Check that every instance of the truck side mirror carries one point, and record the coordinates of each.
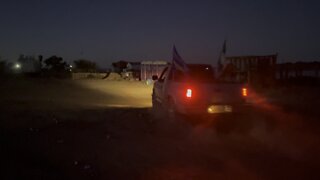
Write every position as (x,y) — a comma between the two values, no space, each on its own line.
(155,77)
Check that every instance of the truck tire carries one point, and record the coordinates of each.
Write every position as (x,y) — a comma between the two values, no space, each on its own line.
(157,110)
(171,113)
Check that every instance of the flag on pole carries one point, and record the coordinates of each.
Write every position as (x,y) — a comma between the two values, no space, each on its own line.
(222,56)
(224,47)
(178,62)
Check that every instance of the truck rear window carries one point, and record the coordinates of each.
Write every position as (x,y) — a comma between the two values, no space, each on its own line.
(198,73)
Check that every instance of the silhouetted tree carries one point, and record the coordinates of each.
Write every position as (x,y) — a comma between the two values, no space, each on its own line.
(3,66)
(56,64)
(40,57)
(119,66)
(83,65)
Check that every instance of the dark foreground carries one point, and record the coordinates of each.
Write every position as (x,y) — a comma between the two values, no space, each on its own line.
(95,133)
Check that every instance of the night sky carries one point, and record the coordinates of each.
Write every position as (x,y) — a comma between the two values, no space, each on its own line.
(112,30)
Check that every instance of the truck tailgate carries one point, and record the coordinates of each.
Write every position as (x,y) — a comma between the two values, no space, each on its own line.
(211,93)
(220,93)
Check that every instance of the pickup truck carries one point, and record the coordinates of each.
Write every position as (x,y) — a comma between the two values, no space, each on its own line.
(197,92)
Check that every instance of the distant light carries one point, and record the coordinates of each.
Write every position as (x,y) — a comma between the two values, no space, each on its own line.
(17,66)
(207,68)
(70,66)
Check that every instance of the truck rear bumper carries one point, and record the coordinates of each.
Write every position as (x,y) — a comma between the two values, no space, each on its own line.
(214,109)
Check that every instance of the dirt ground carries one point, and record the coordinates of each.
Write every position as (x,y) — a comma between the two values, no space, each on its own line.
(96,129)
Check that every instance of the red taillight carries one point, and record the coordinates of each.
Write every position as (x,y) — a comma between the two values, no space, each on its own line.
(244,92)
(189,93)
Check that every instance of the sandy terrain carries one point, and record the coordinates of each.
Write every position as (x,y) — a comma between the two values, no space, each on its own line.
(96,129)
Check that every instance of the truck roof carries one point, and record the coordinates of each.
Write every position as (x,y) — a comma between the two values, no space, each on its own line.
(199,65)
(196,64)
(197,72)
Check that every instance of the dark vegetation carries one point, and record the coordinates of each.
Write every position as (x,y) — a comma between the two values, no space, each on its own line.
(3,65)
(119,66)
(83,65)
(56,64)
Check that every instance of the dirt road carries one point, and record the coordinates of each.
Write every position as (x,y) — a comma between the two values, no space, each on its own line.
(99,129)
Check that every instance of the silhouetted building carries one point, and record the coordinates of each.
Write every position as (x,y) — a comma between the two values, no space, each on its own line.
(150,68)
(139,70)
(253,69)
(298,69)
